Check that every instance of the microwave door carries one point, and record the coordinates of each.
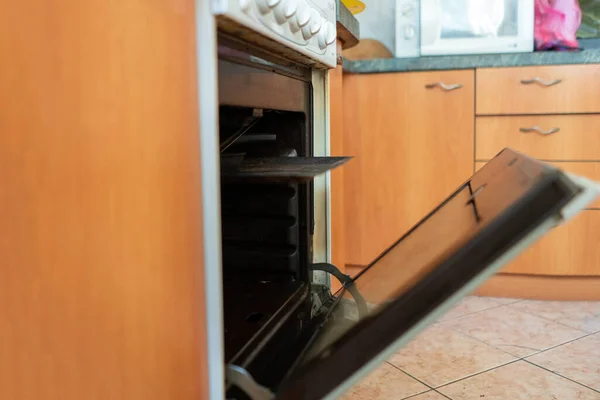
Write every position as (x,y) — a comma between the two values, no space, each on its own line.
(503,209)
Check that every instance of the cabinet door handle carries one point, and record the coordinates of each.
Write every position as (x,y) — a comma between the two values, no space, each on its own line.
(540,81)
(539,130)
(444,87)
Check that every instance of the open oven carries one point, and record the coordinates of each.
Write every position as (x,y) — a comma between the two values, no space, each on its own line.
(286,335)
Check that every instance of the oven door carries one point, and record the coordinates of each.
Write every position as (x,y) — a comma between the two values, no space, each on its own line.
(504,208)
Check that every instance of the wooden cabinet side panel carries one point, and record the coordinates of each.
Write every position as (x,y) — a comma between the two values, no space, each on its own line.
(413,146)
(100,235)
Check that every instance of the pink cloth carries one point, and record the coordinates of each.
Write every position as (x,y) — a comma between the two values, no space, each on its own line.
(556,24)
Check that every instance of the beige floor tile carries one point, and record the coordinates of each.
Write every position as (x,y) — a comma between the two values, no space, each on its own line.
(505,300)
(470,305)
(385,383)
(429,396)
(518,381)
(516,332)
(439,356)
(582,315)
(578,360)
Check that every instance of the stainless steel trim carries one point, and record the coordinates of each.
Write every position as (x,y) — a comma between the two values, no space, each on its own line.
(540,81)
(206,72)
(539,130)
(444,87)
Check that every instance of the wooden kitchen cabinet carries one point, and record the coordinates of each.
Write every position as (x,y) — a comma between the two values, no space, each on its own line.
(565,116)
(102,278)
(412,145)
(560,89)
(568,137)
(569,250)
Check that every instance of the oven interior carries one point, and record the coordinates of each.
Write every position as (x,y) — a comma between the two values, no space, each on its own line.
(267,164)
(267,227)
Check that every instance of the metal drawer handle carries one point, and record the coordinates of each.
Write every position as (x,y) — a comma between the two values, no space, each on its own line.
(444,87)
(540,130)
(540,81)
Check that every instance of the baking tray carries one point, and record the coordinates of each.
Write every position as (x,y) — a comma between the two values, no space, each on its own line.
(285,169)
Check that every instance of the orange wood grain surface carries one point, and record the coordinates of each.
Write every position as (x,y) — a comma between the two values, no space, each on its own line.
(568,250)
(538,287)
(100,224)
(412,146)
(577,139)
(589,170)
(500,91)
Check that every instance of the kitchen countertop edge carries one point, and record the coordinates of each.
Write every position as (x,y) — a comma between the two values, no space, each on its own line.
(590,55)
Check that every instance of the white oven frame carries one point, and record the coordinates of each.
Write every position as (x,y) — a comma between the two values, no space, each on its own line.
(207,72)
(208,111)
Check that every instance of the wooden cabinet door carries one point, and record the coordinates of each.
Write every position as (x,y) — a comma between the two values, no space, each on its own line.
(101,287)
(569,250)
(412,145)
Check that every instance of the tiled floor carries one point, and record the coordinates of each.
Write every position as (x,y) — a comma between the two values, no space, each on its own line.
(496,349)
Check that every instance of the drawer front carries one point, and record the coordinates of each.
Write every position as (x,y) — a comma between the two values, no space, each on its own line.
(575,137)
(590,170)
(570,89)
(571,249)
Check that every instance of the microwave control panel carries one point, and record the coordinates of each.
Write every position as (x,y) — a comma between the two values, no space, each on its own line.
(408,28)
(303,30)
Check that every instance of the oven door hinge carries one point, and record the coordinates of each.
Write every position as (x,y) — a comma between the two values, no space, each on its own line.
(238,376)
(348,283)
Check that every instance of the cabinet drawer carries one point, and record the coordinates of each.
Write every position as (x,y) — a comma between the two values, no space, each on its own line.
(504,91)
(588,169)
(571,249)
(577,136)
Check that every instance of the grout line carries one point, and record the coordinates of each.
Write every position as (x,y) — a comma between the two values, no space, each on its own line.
(477,373)
(550,320)
(558,345)
(466,315)
(414,377)
(532,354)
(475,312)
(562,376)
(412,396)
(517,358)
(442,394)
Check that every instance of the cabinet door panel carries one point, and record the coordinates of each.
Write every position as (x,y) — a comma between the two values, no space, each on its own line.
(412,146)
(101,294)
(590,170)
(571,249)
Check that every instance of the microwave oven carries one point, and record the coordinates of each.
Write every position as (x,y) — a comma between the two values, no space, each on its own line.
(441,27)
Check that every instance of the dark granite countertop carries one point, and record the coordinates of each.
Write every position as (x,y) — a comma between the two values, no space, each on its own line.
(589,55)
